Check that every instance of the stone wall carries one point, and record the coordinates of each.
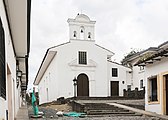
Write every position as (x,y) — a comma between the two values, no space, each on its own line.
(137,94)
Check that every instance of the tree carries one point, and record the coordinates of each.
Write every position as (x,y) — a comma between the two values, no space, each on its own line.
(130,54)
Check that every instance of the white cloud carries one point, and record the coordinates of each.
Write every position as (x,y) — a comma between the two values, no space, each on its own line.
(120,25)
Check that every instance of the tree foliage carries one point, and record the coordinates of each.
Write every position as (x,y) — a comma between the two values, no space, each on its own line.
(130,54)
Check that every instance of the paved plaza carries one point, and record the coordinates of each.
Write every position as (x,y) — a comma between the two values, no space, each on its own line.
(50,114)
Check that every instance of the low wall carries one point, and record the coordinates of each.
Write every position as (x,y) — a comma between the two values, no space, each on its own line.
(78,107)
(137,94)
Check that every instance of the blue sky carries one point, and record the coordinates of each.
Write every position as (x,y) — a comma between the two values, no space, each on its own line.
(120,25)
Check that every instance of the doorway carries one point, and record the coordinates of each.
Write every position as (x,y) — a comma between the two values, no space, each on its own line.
(82,85)
(114,88)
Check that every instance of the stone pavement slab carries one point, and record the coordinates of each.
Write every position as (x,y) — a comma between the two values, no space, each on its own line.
(22,114)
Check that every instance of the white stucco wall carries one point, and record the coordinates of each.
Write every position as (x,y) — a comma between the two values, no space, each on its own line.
(58,77)
(123,75)
(129,77)
(151,70)
(3,108)
(14,103)
(137,76)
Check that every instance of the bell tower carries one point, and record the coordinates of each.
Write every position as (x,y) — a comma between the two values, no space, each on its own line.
(81,28)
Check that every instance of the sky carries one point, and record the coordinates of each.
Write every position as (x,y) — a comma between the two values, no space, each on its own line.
(121,25)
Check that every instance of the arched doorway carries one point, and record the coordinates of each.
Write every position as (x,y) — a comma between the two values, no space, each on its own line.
(82,85)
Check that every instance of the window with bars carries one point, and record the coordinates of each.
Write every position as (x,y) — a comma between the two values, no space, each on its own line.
(82,57)
(114,72)
(153,96)
(2,62)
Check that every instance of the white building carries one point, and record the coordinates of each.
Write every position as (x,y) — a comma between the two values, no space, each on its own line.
(137,79)
(156,75)
(82,59)
(14,51)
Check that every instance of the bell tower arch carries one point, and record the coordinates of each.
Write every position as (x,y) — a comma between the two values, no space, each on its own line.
(81,28)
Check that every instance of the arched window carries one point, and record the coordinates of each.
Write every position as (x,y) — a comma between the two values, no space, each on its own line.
(89,35)
(2,62)
(82,31)
(75,34)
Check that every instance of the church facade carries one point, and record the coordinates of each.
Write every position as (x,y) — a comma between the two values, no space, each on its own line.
(80,67)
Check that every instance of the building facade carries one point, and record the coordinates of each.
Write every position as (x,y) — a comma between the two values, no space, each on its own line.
(137,79)
(14,51)
(79,67)
(156,75)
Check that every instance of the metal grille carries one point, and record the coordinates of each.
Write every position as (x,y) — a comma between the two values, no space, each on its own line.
(2,63)
(82,58)
(114,72)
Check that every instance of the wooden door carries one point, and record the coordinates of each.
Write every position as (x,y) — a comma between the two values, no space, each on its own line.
(114,88)
(82,85)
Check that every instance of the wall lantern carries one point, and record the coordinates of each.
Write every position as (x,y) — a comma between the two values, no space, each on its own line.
(75,85)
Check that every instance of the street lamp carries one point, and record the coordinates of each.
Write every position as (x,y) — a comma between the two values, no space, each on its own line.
(75,84)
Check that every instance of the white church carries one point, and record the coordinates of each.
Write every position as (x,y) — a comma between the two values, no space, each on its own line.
(80,67)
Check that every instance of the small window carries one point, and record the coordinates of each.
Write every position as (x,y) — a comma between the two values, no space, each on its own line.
(114,72)
(141,83)
(82,57)
(153,89)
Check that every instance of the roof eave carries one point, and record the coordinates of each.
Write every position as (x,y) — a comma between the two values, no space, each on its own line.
(49,56)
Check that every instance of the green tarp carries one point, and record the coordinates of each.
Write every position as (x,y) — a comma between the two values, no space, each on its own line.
(74,114)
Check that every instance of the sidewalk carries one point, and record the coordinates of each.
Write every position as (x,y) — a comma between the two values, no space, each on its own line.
(163,117)
(22,114)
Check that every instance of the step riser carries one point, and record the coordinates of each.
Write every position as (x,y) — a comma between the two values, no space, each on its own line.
(101,113)
(115,111)
(105,109)
(100,109)
(110,115)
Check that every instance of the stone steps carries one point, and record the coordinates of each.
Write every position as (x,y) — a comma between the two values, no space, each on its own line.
(99,109)
(112,115)
(112,111)
(108,112)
